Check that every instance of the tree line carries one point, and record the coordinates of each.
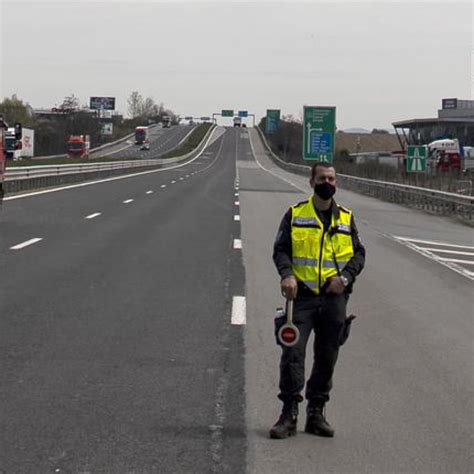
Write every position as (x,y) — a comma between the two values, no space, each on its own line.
(72,118)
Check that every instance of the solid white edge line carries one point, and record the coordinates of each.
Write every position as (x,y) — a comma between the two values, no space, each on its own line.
(236,217)
(91,216)
(271,172)
(239,310)
(116,178)
(454,252)
(455,260)
(237,244)
(430,242)
(26,244)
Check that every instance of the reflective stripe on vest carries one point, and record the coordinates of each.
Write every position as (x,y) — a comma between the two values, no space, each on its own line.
(319,255)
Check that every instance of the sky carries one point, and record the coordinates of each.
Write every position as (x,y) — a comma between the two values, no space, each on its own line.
(376,61)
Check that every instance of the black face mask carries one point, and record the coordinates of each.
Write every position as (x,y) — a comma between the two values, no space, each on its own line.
(325,190)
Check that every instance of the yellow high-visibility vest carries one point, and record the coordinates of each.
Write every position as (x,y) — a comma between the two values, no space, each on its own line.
(318,255)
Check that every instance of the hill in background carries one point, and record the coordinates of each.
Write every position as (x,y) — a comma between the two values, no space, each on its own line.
(368,142)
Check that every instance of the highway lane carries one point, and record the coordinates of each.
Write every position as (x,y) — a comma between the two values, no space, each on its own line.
(404,384)
(162,140)
(119,354)
(117,350)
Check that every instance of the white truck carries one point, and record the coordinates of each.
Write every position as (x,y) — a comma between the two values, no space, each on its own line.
(24,148)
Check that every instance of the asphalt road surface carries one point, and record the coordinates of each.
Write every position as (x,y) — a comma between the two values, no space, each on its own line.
(127,345)
(162,141)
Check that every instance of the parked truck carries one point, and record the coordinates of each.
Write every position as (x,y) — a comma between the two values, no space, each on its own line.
(3,151)
(22,148)
(445,155)
(3,156)
(78,146)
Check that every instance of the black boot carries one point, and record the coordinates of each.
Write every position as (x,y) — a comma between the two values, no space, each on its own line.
(286,424)
(316,422)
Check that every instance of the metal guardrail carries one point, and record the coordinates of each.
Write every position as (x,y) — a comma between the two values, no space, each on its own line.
(430,200)
(23,178)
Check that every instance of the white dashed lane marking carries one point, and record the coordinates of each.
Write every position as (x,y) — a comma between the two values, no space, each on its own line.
(26,244)
(444,253)
(149,192)
(239,310)
(236,217)
(237,244)
(92,216)
(163,185)
(128,201)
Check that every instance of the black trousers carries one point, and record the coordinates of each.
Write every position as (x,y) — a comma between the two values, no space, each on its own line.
(325,314)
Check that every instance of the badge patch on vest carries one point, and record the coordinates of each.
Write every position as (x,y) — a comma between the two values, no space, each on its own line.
(344,228)
(305,222)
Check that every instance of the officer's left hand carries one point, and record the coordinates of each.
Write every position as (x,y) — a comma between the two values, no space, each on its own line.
(335,286)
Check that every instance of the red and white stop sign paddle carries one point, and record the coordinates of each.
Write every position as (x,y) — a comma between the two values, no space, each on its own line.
(289,334)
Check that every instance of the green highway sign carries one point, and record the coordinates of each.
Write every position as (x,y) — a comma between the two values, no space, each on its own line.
(319,132)
(273,121)
(227,113)
(416,158)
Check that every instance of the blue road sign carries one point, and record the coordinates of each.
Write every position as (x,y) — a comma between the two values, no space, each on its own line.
(243,113)
(321,142)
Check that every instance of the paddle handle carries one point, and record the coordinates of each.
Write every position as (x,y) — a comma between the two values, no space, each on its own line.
(289,311)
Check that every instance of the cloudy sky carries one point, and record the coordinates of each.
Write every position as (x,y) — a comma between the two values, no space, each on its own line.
(376,61)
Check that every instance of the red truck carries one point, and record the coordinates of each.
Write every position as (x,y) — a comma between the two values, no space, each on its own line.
(78,146)
(445,155)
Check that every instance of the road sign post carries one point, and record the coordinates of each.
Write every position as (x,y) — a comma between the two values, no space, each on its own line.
(319,130)
(416,158)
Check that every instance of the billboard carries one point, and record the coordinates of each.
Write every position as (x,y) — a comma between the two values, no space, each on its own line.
(450,104)
(102,103)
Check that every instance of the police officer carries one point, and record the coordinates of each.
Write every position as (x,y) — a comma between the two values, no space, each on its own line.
(318,255)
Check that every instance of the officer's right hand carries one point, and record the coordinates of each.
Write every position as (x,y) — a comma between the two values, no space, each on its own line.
(289,287)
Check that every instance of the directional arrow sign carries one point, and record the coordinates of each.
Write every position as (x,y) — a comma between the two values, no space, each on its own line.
(319,133)
(416,158)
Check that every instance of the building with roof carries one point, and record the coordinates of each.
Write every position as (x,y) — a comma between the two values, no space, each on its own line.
(455,120)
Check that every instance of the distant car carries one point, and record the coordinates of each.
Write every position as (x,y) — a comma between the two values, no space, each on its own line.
(145,146)
(244,125)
